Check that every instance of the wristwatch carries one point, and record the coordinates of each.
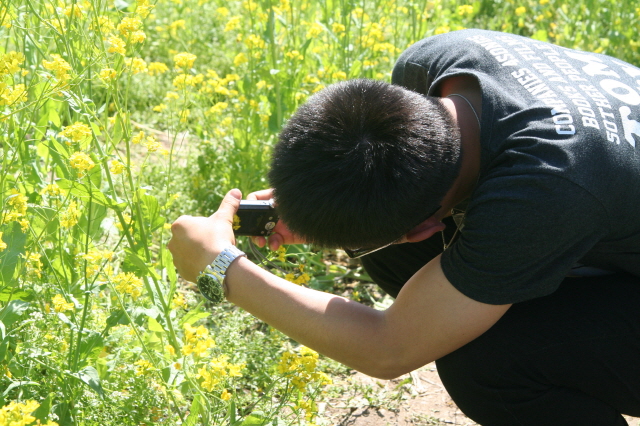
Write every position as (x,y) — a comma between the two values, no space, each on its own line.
(211,280)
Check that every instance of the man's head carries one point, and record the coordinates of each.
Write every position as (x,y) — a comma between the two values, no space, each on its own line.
(362,163)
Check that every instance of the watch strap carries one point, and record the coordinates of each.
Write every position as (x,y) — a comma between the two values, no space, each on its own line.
(211,280)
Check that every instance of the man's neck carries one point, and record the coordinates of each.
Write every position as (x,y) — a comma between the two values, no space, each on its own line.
(465,115)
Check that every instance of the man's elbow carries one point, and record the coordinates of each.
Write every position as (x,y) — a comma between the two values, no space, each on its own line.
(393,364)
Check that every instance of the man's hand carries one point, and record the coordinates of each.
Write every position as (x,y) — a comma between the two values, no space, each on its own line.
(281,234)
(196,241)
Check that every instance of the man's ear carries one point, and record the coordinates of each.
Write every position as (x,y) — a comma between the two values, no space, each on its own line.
(425,230)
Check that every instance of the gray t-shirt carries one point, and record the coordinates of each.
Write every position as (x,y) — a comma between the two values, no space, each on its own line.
(560,170)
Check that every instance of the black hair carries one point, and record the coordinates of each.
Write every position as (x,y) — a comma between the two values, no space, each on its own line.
(362,162)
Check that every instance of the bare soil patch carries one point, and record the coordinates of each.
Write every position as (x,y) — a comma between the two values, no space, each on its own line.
(418,399)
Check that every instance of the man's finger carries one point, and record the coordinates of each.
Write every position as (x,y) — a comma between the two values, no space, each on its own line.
(230,204)
(263,194)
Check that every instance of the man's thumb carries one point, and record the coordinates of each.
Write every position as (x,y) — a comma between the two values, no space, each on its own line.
(230,204)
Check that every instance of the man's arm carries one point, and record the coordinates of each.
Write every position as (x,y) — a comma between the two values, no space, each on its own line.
(429,319)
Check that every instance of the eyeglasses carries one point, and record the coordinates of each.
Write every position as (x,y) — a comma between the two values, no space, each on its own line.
(359,252)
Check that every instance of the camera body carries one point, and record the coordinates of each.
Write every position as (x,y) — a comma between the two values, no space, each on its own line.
(255,218)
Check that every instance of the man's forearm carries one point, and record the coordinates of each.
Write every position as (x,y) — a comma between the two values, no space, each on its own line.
(339,328)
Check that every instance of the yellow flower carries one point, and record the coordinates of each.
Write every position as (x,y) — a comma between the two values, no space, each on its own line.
(138,138)
(117,45)
(159,108)
(3,245)
(18,202)
(222,11)
(137,36)
(170,349)
(128,283)
(152,144)
(157,68)
(183,80)
(180,24)
(136,65)
(81,162)
(178,301)
(218,108)
(104,25)
(184,60)
(70,216)
(254,41)
(338,28)
(236,222)
(34,265)
(10,62)
(117,167)
(240,59)
(143,8)
(232,24)
(60,304)
(19,414)
(143,367)
(59,66)
(74,10)
(129,25)
(77,132)
(315,30)
(443,29)
(107,74)
(12,95)
(465,9)
(521,10)
(339,75)
(294,54)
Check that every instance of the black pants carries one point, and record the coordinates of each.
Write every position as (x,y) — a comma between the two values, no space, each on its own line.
(570,358)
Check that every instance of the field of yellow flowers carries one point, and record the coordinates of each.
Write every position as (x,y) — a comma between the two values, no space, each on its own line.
(117,116)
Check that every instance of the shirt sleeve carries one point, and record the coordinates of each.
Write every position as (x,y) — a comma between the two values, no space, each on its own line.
(521,236)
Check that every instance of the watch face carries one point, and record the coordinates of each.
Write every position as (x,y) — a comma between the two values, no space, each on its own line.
(210,288)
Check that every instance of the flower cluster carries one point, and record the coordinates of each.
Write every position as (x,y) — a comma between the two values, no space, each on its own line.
(214,372)
(11,93)
(69,217)
(77,132)
(197,341)
(17,211)
(128,283)
(301,368)
(60,304)
(81,162)
(20,414)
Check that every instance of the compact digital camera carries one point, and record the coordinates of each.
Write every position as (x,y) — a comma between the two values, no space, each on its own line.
(255,218)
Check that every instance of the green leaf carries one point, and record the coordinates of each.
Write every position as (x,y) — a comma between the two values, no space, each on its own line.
(154,325)
(89,376)
(118,317)
(255,418)
(12,293)
(13,311)
(17,385)
(194,412)
(15,240)
(44,218)
(87,192)
(91,220)
(42,412)
(91,346)
(167,263)
(150,211)
(193,315)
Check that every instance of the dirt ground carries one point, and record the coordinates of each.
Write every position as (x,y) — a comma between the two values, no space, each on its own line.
(418,399)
